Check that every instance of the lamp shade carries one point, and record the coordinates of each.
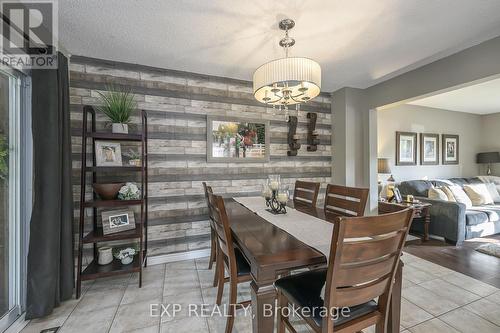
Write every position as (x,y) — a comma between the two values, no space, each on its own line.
(383,165)
(302,75)
(492,157)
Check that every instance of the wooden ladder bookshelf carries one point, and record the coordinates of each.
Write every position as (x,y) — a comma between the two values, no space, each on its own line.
(95,236)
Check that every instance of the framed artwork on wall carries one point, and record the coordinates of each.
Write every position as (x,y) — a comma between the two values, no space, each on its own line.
(406,148)
(108,153)
(451,149)
(232,139)
(429,149)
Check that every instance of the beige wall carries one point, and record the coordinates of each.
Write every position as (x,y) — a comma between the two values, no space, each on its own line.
(412,118)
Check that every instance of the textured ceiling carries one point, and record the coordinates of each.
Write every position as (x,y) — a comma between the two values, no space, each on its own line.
(357,42)
(482,98)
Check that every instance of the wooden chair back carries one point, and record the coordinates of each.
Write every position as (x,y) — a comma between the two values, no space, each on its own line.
(306,193)
(345,201)
(222,231)
(207,190)
(364,256)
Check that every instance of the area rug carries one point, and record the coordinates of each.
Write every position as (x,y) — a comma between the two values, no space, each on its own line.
(493,249)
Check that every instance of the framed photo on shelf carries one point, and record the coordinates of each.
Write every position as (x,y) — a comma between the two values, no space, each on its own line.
(429,149)
(406,148)
(114,221)
(451,149)
(108,153)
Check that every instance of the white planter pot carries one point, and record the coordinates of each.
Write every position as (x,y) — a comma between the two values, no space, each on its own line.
(105,256)
(127,260)
(119,128)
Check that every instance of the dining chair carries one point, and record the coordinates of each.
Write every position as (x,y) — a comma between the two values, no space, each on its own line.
(364,257)
(229,257)
(345,201)
(213,239)
(306,193)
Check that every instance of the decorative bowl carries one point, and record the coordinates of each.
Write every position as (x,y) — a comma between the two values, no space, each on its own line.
(108,191)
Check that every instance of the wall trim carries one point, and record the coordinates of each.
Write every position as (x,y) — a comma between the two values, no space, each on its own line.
(173,257)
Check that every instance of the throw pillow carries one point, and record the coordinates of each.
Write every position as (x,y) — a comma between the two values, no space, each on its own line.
(478,194)
(460,195)
(449,194)
(492,188)
(437,193)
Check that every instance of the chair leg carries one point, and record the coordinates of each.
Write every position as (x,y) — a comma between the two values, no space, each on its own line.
(233,293)
(212,249)
(220,279)
(281,320)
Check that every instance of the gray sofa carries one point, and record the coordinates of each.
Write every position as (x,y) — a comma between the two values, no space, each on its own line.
(452,220)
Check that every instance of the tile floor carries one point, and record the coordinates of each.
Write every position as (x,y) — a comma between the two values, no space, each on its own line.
(435,299)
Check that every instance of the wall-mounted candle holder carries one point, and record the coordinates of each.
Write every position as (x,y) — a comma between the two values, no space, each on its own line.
(312,133)
(293,138)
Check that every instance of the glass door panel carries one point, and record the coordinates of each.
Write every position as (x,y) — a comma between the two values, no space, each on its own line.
(10,241)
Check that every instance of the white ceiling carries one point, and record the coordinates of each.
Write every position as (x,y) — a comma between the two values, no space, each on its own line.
(357,42)
(482,98)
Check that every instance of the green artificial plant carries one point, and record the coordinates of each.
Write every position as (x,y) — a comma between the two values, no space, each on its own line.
(4,158)
(118,104)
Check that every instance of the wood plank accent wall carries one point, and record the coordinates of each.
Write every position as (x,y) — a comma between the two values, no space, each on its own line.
(178,104)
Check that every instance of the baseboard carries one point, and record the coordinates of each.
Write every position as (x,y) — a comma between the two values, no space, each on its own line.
(172,257)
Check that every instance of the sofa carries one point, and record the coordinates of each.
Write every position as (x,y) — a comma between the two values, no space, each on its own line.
(452,220)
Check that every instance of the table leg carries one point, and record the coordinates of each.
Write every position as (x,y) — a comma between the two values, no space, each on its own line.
(393,322)
(263,307)
(427,222)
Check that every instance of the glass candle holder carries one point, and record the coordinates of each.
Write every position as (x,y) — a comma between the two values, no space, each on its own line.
(283,195)
(274,182)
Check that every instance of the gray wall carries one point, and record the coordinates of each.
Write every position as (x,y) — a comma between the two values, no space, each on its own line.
(475,64)
(178,104)
(490,132)
(413,118)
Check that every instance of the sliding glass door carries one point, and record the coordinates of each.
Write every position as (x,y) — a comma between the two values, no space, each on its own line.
(12,230)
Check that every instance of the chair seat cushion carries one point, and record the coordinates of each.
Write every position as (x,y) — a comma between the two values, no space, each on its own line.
(241,263)
(304,290)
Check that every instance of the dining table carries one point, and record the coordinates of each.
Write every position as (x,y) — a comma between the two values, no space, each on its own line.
(272,252)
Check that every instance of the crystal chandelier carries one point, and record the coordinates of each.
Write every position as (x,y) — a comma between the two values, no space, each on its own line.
(287,81)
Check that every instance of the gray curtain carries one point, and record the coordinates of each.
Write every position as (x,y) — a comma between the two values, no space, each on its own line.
(50,257)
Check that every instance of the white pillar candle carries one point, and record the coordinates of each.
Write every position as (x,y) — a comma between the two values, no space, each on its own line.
(274,185)
(282,197)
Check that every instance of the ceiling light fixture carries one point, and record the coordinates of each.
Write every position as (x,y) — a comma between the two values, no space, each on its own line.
(287,81)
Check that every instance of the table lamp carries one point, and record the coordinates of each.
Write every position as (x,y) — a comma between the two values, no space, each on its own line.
(488,158)
(385,168)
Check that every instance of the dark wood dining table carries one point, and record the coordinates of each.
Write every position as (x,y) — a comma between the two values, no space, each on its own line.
(272,252)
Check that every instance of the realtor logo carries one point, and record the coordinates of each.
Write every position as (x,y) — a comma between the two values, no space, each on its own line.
(29,34)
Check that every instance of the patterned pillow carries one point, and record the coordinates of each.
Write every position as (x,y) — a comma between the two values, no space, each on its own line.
(492,188)
(460,195)
(478,194)
(437,193)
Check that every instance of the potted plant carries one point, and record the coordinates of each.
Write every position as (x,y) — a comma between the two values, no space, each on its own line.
(129,191)
(134,157)
(118,106)
(4,159)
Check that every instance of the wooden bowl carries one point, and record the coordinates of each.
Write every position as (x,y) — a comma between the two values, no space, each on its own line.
(107,191)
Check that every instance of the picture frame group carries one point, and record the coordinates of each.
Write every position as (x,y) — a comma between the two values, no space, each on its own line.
(407,143)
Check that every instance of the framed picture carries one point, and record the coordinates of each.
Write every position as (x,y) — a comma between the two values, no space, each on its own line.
(406,148)
(429,149)
(114,221)
(237,140)
(451,149)
(108,153)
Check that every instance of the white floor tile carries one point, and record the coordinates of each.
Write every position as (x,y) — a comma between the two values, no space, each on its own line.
(466,321)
